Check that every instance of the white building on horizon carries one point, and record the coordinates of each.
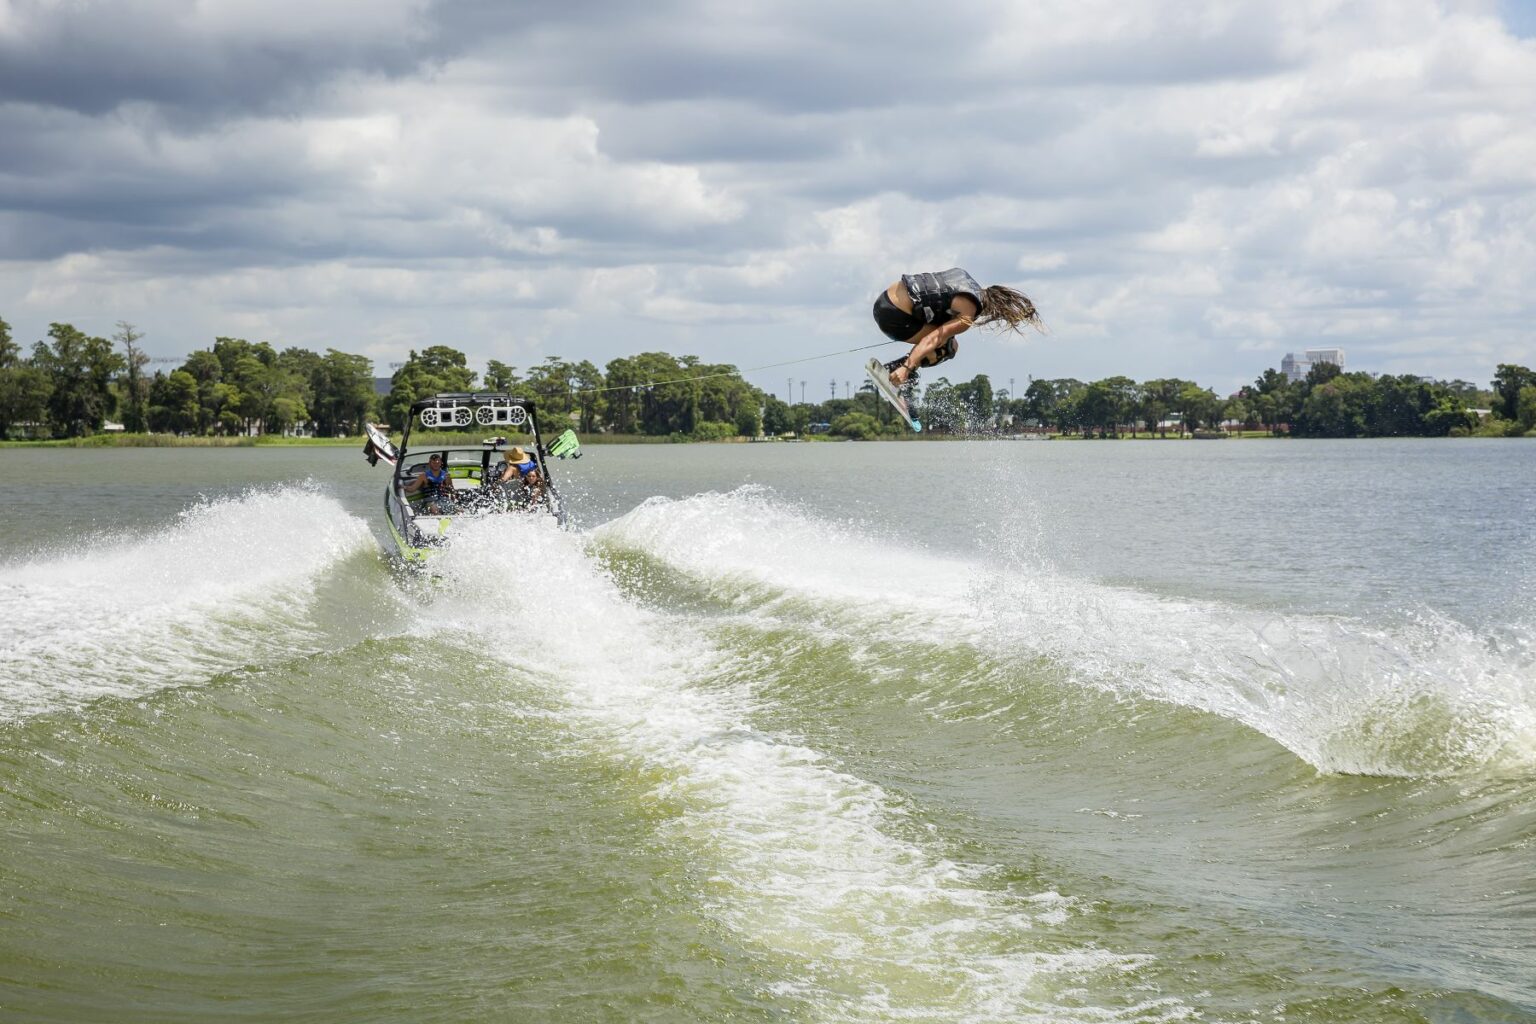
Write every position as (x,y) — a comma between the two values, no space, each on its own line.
(1296,369)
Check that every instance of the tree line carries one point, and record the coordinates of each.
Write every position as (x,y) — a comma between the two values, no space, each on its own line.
(72,383)
(652,393)
(659,394)
(1326,403)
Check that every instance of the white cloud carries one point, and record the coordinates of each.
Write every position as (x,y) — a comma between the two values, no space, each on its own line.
(1182,190)
(1042,261)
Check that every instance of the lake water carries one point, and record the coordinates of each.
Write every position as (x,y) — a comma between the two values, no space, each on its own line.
(974,731)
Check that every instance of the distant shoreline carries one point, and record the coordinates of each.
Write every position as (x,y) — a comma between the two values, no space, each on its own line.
(173,441)
(265,441)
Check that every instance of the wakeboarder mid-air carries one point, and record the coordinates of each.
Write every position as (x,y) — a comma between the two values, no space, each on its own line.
(927,311)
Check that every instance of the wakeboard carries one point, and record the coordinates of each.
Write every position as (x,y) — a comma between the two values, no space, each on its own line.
(881,377)
(567,445)
(379,446)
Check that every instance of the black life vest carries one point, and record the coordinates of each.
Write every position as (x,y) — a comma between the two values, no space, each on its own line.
(932,294)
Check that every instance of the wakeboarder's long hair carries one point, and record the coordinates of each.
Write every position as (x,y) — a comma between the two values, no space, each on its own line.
(999,302)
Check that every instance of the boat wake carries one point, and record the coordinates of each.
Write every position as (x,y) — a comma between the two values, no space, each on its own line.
(828,880)
(1421,697)
(230,584)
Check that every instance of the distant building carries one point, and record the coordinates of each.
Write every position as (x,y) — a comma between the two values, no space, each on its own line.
(382,385)
(1295,368)
(1326,355)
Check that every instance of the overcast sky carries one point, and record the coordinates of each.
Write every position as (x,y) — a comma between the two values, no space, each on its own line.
(1184,189)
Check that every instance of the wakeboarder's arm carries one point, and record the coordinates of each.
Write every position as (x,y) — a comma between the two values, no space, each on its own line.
(948,329)
(935,339)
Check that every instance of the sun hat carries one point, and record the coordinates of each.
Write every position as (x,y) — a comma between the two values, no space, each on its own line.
(516,455)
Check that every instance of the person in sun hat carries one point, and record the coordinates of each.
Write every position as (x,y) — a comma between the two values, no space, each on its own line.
(518,466)
(927,311)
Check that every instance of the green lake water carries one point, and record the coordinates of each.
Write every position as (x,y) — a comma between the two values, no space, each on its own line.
(974,731)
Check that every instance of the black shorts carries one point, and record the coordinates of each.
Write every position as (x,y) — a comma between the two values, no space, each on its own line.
(893,322)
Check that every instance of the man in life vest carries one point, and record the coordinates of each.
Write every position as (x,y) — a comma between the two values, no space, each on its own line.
(435,484)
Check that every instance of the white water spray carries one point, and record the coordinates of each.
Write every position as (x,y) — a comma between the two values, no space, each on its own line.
(228,585)
(1424,697)
(806,864)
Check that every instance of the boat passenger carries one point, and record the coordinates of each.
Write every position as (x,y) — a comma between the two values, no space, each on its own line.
(520,467)
(435,484)
(927,311)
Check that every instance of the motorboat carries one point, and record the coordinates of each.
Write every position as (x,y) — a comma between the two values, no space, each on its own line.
(434,484)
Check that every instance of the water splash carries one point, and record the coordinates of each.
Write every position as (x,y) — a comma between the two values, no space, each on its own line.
(1421,697)
(1425,697)
(229,584)
(820,872)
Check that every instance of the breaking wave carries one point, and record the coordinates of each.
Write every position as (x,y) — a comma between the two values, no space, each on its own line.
(1423,696)
(229,584)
